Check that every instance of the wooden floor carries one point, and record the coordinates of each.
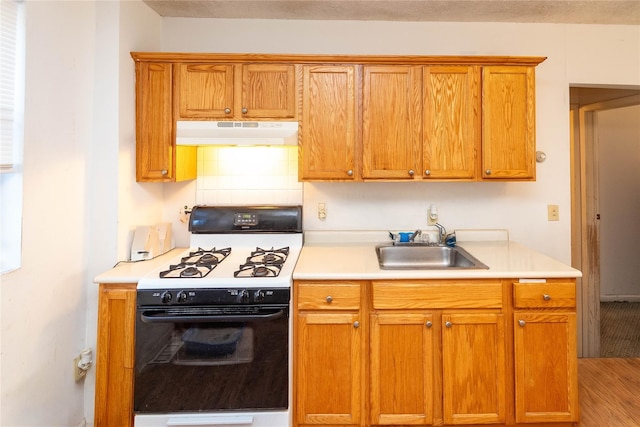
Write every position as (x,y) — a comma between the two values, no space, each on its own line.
(609,392)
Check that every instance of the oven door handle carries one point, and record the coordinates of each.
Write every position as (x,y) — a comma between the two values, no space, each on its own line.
(211,318)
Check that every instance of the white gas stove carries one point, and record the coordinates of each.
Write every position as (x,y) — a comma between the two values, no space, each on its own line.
(212,326)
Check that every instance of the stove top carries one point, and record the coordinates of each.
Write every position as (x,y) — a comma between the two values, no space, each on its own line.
(234,247)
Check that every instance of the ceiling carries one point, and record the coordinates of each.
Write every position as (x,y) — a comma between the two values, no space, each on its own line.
(621,12)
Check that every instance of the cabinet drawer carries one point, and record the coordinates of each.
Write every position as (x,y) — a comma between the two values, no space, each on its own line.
(328,296)
(544,295)
(437,294)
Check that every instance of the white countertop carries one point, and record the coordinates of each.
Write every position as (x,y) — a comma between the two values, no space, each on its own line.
(132,271)
(352,256)
(340,259)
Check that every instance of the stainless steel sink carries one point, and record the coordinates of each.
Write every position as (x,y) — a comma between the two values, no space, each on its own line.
(424,257)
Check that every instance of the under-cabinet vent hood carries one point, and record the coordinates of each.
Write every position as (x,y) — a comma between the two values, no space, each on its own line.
(236,133)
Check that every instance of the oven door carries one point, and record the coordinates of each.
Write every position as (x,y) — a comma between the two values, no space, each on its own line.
(209,359)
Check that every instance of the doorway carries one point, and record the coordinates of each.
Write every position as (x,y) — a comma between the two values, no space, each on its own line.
(591,249)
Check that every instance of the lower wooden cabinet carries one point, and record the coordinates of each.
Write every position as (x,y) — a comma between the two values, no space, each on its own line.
(401,363)
(474,370)
(115,355)
(439,352)
(545,351)
(328,343)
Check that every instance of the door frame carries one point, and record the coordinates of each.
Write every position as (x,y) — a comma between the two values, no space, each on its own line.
(585,230)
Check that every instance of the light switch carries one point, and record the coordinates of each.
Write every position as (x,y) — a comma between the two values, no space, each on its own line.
(553,213)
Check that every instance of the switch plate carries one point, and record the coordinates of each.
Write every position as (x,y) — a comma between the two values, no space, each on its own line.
(553,213)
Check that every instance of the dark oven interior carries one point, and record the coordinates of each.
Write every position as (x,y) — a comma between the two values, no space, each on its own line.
(199,366)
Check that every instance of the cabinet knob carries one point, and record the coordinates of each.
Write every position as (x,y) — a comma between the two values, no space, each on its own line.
(164,172)
(521,322)
(546,297)
(329,298)
(427,172)
(488,171)
(356,324)
(448,324)
(429,324)
(350,172)
(244,110)
(411,172)
(227,110)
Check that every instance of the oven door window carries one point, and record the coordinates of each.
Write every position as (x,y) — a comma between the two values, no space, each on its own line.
(211,366)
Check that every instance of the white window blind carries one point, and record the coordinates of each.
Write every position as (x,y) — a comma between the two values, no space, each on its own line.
(8,84)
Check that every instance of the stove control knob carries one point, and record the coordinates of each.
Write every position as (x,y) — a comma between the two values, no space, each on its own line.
(258,296)
(244,296)
(181,297)
(166,297)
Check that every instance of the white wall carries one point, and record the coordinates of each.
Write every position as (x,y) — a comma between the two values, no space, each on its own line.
(618,133)
(520,207)
(44,302)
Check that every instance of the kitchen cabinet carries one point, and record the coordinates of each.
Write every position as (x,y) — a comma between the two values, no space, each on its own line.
(328,348)
(451,122)
(115,355)
(508,122)
(402,346)
(328,126)
(391,122)
(474,370)
(158,159)
(236,91)
(546,373)
(419,381)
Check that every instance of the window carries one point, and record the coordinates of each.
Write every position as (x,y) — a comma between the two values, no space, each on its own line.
(12,37)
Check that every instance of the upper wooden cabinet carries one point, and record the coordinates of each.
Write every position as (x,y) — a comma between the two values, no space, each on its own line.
(236,91)
(508,122)
(361,118)
(451,122)
(391,125)
(328,126)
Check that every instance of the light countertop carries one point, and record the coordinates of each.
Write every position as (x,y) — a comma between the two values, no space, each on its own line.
(323,259)
(132,272)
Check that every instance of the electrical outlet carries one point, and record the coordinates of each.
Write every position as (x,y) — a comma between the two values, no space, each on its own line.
(78,372)
(322,211)
(432,215)
(553,213)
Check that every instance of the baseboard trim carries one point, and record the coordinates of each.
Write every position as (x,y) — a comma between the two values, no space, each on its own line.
(619,298)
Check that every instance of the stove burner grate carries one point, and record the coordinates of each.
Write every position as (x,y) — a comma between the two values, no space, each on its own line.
(198,264)
(263,263)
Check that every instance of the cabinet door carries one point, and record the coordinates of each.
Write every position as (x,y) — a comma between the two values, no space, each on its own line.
(451,122)
(546,367)
(154,122)
(508,122)
(328,134)
(401,369)
(328,368)
(391,122)
(115,355)
(474,372)
(205,91)
(268,91)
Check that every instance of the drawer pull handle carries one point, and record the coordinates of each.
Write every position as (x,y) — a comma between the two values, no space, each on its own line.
(448,324)
(329,299)
(429,324)
(521,322)
(356,324)
(546,297)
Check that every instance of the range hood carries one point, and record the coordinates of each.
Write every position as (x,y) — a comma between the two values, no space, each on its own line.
(236,133)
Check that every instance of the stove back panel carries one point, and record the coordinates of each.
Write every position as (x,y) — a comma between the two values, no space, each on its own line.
(245,219)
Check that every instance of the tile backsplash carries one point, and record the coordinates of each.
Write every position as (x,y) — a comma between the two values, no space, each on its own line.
(229,175)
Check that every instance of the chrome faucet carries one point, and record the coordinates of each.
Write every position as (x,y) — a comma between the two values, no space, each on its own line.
(415,234)
(442,233)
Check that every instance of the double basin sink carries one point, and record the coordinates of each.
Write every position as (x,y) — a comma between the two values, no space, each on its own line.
(415,256)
